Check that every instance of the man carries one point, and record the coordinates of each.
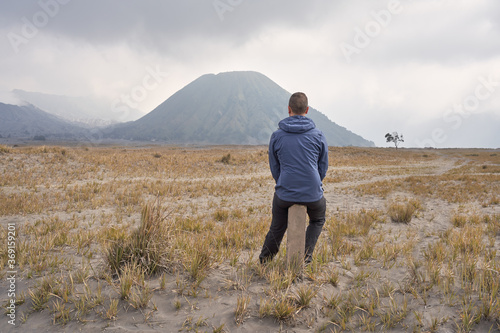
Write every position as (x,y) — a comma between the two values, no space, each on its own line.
(298,158)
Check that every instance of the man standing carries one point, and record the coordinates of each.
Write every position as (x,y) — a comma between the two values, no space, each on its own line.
(298,158)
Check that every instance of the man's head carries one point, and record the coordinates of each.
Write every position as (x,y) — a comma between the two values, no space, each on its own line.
(297,105)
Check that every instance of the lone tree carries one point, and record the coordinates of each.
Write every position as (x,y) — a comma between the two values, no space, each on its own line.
(394,137)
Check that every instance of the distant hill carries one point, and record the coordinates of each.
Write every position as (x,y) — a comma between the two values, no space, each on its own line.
(227,108)
(89,111)
(28,121)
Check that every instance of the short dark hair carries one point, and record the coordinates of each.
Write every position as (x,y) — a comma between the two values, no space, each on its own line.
(298,103)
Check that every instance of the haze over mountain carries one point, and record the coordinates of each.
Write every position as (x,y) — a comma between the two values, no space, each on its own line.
(86,111)
(227,108)
(461,130)
(28,121)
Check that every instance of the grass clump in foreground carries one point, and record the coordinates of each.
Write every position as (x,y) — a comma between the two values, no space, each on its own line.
(147,246)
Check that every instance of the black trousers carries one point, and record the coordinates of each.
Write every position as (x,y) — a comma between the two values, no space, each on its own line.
(279,223)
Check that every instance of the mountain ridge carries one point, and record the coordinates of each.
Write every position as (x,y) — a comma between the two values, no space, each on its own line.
(226,108)
(27,121)
(83,111)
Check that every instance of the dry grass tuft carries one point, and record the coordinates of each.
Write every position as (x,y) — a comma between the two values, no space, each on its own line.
(4,149)
(146,246)
(403,212)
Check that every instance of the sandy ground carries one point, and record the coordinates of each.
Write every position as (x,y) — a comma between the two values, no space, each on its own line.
(214,307)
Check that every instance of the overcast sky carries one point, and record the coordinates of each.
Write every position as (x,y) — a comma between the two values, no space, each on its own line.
(429,69)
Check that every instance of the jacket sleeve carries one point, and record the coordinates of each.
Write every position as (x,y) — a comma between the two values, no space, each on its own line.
(274,163)
(323,158)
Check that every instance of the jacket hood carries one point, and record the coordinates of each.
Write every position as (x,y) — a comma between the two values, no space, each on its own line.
(296,124)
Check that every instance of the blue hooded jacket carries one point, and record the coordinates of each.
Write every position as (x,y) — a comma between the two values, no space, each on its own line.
(298,158)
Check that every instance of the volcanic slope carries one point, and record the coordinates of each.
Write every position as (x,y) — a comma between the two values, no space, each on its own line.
(227,108)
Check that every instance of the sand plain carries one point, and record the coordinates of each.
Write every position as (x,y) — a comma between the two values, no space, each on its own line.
(410,244)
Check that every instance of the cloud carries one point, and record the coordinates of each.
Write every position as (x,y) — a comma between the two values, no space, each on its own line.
(420,61)
(444,32)
(160,25)
(457,35)
(7,97)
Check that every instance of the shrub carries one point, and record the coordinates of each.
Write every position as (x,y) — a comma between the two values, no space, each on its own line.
(221,215)
(459,220)
(146,246)
(402,212)
(226,159)
(198,260)
(4,149)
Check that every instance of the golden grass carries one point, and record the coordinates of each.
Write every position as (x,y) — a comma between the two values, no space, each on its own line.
(105,232)
(147,246)
(402,210)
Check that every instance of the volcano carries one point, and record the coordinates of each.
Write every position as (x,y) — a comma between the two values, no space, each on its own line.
(226,108)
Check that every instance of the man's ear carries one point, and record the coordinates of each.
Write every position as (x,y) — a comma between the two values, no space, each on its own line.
(307,110)
(290,111)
